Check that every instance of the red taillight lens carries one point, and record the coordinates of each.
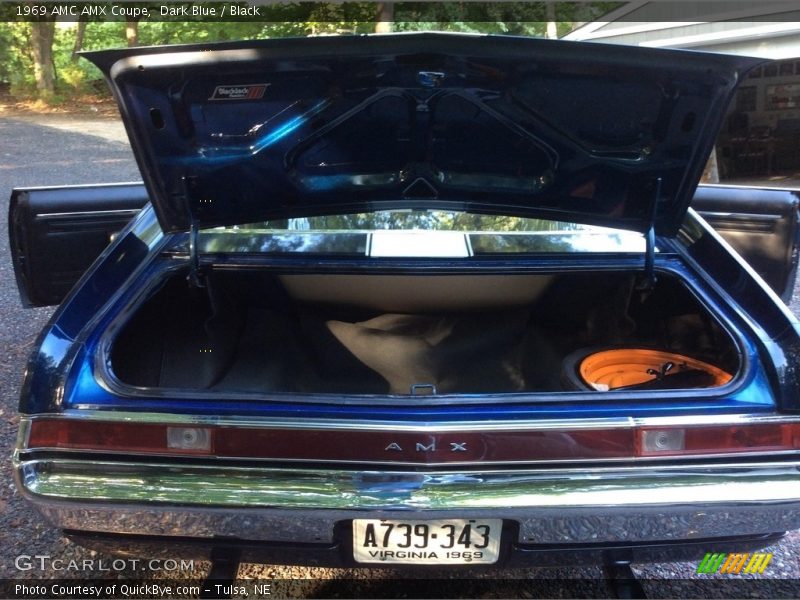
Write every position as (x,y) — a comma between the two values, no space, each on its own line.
(429,447)
(115,437)
(758,437)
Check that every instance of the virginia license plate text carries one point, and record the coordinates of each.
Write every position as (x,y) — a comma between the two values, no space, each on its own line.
(445,542)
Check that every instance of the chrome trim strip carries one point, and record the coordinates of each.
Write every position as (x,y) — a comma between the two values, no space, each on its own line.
(419,427)
(79,186)
(90,213)
(388,463)
(706,214)
(303,505)
(335,424)
(23,433)
(733,186)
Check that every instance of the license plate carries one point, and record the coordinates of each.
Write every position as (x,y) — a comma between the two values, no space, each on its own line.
(449,542)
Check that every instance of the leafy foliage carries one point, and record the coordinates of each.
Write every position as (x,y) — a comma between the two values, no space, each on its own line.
(16,64)
(249,238)
(415,220)
(278,20)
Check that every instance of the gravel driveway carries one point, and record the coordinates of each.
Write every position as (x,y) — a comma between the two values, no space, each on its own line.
(50,150)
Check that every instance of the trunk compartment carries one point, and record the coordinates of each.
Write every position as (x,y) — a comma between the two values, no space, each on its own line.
(264,332)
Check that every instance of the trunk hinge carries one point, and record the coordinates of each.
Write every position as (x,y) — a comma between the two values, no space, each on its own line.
(647,279)
(195,277)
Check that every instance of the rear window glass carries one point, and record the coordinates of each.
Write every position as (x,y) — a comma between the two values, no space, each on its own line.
(418,234)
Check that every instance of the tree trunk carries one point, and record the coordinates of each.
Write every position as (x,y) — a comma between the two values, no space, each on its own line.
(550,15)
(132,33)
(385,20)
(42,34)
(79,33)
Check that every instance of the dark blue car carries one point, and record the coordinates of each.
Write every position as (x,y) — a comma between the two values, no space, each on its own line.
(413,300)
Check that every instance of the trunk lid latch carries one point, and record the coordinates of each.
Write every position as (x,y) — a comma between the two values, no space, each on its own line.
(423,389)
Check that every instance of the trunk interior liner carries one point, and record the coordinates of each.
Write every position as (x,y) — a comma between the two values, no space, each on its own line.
(248,332)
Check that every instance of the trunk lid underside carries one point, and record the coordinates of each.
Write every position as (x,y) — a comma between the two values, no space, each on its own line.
(597,134)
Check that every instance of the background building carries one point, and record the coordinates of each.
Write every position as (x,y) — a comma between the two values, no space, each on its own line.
(761,138)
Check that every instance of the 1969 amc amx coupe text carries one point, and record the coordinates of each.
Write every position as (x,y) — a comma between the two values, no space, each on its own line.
(424,299)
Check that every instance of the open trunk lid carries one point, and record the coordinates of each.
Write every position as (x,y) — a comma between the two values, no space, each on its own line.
(248,131)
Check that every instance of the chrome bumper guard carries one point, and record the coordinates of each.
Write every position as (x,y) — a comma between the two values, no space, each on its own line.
(589,505)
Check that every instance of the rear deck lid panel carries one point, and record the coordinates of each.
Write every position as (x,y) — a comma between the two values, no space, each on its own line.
(242,132)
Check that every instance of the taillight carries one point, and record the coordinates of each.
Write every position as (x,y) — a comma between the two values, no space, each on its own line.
(413,446)
(656,441)
(119,437)
(189,438)
(758,437)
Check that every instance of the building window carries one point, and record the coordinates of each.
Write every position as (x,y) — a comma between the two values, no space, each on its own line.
(783,96)
(746,99)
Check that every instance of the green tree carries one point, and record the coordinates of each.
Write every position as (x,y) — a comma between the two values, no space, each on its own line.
(40,58)
(385,17)
(41,48)
(80,33)
(132,33)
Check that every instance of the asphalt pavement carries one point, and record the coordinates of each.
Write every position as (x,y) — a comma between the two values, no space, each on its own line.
(53,150)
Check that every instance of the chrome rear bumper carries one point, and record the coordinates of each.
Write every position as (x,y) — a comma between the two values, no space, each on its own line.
(572,506)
